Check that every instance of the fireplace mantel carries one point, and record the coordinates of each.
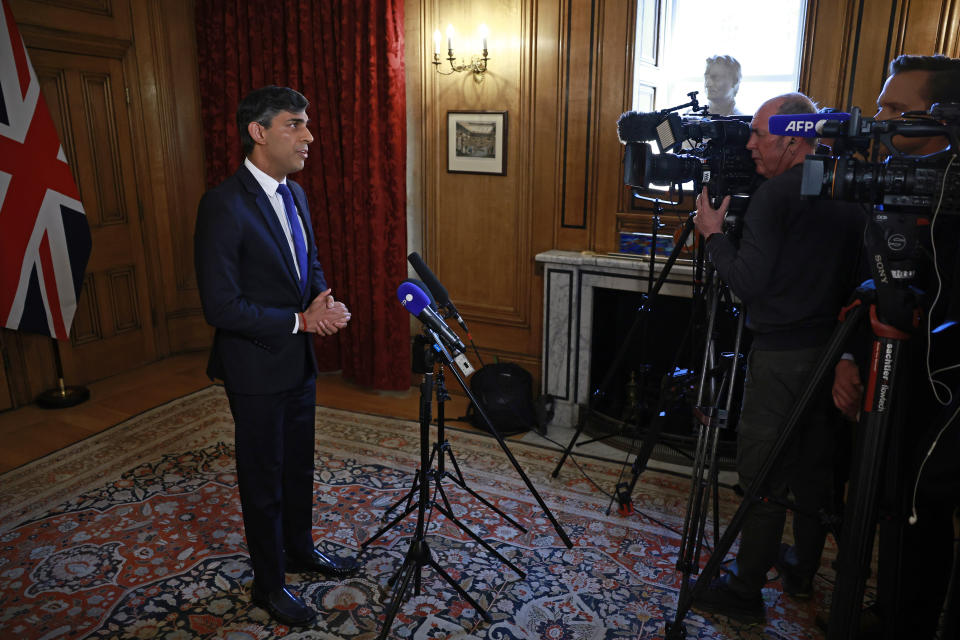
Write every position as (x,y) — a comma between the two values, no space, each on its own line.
(569,281)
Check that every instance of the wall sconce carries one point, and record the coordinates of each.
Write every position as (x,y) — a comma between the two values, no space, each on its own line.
(477,64)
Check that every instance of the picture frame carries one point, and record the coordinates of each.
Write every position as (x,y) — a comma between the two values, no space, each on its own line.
(477,142)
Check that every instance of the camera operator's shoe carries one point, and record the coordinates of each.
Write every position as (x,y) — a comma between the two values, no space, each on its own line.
(720,598)
(794,585)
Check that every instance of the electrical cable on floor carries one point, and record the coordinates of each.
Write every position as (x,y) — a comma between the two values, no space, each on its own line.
(606,494)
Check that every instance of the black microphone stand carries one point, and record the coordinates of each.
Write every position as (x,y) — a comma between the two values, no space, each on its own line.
(419,496)
(418,554)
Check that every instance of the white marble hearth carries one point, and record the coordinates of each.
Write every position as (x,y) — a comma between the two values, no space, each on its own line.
(570,279)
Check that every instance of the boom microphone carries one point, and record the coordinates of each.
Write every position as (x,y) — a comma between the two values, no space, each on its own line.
(803,125)
(416,300)
(433,284)
(633,126)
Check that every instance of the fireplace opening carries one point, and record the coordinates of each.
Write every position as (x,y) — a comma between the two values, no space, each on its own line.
(659,373)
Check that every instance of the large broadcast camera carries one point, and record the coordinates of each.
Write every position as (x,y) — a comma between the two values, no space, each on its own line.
(907,193)
(714,152)
(902,182)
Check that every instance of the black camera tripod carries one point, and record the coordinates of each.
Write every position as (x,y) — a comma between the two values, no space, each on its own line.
(893,310)
(637,331)
(419,496)
(710,418)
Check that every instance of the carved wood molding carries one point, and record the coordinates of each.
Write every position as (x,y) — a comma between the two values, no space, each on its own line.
(948,35)
(73,42)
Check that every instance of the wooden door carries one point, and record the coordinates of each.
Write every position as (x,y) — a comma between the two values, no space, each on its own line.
(113,329)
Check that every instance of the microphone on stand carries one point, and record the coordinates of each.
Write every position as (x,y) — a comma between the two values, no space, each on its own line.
(440,295)
(433,284)
(417,301)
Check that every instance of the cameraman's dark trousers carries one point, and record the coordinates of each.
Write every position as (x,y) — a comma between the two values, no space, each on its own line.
(804,473)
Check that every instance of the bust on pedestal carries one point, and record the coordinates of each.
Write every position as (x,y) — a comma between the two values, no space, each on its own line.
(721,80)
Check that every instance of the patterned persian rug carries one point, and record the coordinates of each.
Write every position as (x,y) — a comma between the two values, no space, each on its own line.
(137,533)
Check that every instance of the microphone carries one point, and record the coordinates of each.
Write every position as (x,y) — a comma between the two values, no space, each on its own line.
(803,125)
(633,126)
(438,290)
(416,300)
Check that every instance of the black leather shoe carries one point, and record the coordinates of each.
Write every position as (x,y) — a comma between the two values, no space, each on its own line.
(322,563)
(284,607)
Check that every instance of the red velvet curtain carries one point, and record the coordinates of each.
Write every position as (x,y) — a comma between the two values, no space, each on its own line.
(346,57)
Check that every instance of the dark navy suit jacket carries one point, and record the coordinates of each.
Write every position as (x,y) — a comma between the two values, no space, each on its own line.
(249,287)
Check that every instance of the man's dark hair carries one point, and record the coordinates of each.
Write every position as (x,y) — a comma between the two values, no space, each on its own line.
(262,105)
(943,83)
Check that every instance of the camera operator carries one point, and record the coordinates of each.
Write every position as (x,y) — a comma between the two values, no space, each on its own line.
(923,557)
(793,268)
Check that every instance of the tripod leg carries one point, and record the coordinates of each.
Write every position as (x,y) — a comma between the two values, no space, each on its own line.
(463,594)
(461,482)
(408,496)
(483,543)
(516,465)
(581,420)
(860,516)
(404,575)
(830,354)
(389,525)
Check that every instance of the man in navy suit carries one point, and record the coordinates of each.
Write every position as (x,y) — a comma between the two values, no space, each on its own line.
(263,290)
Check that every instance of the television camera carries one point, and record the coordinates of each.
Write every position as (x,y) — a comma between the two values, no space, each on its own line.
(905,182)
(907,193)
(707,150)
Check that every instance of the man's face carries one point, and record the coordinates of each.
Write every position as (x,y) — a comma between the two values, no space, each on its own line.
(902,92)
(770,153)
(719,83)
(283,145)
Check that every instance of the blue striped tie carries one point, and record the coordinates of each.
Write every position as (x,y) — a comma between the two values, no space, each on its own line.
(296,232)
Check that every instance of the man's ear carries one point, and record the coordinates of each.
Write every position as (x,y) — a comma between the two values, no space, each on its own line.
(255,129)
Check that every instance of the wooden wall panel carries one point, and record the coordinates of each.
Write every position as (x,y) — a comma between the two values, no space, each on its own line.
(169,101)
(565,77)
(477,229)
(120,79)
(843,70)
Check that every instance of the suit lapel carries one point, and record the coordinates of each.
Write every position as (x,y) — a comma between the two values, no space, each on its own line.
(270,217)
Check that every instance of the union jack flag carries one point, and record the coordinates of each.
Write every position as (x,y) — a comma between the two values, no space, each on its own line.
(44,235)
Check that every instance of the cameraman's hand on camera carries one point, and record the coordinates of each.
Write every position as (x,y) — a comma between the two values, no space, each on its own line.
(847,389)
(708,220)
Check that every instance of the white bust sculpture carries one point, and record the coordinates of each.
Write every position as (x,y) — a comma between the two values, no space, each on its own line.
(721,79)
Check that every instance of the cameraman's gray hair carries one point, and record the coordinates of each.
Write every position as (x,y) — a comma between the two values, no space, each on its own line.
(729,62)
(795,103)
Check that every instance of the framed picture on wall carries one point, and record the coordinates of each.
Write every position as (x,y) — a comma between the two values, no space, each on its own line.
(477,142)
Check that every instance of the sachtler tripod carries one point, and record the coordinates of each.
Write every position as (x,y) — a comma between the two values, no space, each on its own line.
(894,309)
(418,554)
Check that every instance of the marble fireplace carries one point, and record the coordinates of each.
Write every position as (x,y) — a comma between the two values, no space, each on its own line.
(571,280)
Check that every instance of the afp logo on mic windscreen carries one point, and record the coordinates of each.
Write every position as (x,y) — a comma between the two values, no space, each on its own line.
(800,126)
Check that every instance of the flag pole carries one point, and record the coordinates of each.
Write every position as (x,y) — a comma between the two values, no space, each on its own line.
(62,396)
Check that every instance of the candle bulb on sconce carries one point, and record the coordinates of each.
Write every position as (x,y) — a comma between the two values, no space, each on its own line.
(484,32)
(477,63)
